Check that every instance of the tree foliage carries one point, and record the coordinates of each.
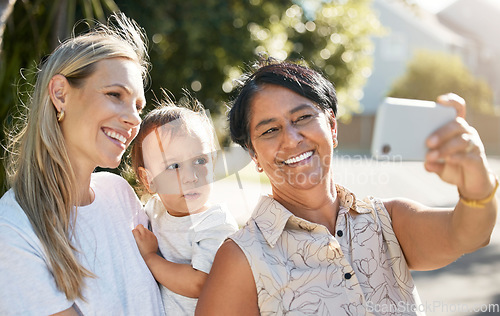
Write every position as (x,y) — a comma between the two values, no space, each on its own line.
(33,30)
(205,46)
(430,74)
(337,41)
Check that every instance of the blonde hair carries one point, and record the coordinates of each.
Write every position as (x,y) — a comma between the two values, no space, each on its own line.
(39,169)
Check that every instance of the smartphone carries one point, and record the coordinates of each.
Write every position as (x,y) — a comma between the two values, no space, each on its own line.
(403,125)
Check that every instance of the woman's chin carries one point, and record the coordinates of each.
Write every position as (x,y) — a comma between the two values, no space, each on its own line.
(299,183)
(113,164)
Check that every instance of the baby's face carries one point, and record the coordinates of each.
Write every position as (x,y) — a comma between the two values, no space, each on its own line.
(182,173)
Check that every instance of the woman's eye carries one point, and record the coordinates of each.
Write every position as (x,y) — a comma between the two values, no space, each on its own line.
(201,161)
(269,131)
(173,166)
(303,118)
(114,94)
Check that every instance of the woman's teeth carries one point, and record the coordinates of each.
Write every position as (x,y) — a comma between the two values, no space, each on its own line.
(298,158)
(116,136)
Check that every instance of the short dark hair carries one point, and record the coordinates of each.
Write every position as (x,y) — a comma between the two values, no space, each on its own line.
(298,78)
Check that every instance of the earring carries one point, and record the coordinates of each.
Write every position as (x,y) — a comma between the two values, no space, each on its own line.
(335,143)
(258,168)
(60,115)
(152,188)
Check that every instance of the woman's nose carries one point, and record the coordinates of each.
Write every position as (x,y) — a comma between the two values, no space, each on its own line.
(291,136)
(131,116)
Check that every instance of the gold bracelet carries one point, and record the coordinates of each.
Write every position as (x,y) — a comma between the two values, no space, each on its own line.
(480,203)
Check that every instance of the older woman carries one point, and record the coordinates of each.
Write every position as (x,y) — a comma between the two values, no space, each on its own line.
(312,247)
(65,232)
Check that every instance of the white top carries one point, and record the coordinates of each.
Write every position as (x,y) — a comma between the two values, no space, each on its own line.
(299,268)
(123,284)
(193,240)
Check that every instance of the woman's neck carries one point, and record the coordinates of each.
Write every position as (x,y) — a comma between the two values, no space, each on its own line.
(85,194)
(318,204)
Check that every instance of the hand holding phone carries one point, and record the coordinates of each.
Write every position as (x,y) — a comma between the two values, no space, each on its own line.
(403,125)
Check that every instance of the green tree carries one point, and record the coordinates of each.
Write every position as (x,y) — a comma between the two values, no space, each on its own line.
(336,39)
(430,74)
(205,46)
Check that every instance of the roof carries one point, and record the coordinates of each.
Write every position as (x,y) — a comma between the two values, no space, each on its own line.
(478,20)
(422,20)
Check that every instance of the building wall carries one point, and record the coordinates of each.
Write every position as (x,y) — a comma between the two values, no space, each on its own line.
(488,127)
(355,136)
(406,33)
(479,21)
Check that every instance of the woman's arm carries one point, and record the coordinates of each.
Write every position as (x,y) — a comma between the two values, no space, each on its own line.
(230,288)
(27,285)
(67,312)
(179,278)
(432,238)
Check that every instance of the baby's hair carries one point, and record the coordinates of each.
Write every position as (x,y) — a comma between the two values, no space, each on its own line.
(187,116)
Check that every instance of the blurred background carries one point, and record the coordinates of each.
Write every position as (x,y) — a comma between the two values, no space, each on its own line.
(370,49)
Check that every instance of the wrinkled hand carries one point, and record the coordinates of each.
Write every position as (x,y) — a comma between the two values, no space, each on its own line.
(456,154)
(146,241)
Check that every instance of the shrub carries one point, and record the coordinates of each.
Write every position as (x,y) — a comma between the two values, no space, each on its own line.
(431,73)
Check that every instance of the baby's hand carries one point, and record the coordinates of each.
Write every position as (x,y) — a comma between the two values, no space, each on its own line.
(146,241)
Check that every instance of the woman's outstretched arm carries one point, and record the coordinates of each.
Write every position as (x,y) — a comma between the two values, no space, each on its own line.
(432,238)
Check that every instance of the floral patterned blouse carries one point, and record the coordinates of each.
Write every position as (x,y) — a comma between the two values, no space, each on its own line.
(301,269)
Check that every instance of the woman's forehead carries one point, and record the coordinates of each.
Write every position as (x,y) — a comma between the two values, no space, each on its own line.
(274,100)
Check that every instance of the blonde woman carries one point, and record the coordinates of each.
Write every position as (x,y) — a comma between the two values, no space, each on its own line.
(66,245)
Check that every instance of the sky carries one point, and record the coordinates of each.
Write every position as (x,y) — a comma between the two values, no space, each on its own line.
(434,5)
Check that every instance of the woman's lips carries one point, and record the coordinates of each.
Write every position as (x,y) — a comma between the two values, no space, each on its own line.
(297,159)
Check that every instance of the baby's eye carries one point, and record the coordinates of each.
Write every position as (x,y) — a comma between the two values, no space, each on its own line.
(201,161)
(173,166)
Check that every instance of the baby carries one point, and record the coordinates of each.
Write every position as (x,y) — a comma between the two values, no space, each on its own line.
(173,157)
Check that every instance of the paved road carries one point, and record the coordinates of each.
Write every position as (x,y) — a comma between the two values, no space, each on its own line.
(472,282)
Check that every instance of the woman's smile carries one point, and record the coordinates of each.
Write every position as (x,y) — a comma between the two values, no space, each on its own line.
(300,159)
(116,137)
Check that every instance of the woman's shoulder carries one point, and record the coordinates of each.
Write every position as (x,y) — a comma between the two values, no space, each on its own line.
(10,208)
(8,200)
(230,287)
(105,177)
(110,182)
(113,187)
(230,251)
(12,217)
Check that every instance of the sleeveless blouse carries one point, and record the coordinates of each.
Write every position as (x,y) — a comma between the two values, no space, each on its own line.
(299,268)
